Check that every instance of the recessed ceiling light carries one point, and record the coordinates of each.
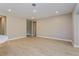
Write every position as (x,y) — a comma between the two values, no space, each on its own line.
(57,11)
(34,10)
(9,10)
(33,17)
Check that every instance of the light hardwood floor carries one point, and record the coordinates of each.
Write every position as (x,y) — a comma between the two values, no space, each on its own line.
(38,47)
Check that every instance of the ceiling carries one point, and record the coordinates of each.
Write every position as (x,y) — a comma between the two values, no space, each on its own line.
(25,10)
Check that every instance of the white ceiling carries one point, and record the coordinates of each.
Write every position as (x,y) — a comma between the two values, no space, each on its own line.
(25,10)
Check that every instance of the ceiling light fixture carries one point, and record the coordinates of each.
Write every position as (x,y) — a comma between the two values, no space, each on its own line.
(33,17)
(34,10)
(9,10)
(57,12)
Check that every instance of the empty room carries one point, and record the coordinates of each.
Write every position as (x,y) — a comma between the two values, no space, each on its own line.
(39,29)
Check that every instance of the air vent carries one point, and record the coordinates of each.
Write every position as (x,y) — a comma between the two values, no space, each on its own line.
(33,4)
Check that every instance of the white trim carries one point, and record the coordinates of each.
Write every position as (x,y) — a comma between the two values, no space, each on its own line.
(56,38)
(44,37)
(17,38)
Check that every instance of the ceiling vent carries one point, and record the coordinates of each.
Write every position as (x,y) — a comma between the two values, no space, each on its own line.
(33,4)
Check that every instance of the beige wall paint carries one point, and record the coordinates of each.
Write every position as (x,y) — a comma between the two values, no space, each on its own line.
(56,27)
(16,27)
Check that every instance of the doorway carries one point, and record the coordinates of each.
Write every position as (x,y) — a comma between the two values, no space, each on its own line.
(2,25)
(31,28)
(34,28)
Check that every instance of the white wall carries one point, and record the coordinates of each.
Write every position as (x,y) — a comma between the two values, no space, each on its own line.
(76,26)
(16,27)
(76,30)
(56,27)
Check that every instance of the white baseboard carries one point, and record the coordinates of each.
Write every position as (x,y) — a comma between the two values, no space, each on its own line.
(44,37)
(17,38)
(56,38)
